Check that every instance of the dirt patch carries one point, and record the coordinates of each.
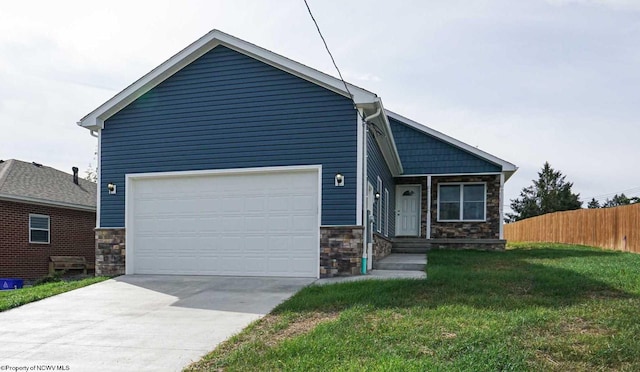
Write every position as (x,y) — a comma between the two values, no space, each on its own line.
(262,335)
(582,326)
(300,326)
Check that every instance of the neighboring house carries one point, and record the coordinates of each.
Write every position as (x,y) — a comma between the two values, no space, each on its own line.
(229,159)
(44,212)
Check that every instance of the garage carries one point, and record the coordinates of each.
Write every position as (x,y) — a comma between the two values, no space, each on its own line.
(243,222)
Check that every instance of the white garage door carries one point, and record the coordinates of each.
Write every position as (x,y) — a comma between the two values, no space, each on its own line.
(253,223)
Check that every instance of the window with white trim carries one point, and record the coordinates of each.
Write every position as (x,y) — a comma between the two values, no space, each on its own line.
(386,212)
(379,218)
(39,229)
(461,202)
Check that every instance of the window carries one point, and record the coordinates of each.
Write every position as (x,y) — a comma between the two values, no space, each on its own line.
(386,212)
(461,202)
(38,229)
(379,217)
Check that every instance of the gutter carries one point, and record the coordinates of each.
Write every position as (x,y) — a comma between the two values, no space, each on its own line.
(367,219)
(48,203)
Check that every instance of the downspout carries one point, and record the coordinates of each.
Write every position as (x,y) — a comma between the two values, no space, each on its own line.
(428,232)
(366,219)
(501,205)
(95,134)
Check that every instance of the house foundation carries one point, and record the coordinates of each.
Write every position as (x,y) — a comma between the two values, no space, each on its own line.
(110,252)
(340,250)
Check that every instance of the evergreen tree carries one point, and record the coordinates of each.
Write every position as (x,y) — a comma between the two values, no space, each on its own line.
(618,200)
(593,204)
(550,193)
(91,174)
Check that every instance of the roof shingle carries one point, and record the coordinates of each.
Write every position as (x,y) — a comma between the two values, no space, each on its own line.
(37,183)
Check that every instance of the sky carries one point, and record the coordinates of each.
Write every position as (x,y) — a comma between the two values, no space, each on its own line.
(528,81)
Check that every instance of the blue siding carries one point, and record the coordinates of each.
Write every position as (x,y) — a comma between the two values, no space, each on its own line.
(421,153)
(377,167)
(227,110)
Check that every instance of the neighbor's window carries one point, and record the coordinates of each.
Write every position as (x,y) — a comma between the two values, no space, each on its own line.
(38,228)
(461,202)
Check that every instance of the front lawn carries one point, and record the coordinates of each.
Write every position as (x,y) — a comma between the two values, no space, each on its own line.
(534,307)
(19,297)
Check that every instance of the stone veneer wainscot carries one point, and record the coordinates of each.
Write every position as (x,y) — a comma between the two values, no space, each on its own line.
(110,252)
(488,229)
(381,247)
(340,250)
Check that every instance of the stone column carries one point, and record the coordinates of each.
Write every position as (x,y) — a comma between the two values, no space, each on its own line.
(110,252)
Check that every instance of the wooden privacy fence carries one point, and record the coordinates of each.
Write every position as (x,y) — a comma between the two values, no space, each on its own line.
(613,228)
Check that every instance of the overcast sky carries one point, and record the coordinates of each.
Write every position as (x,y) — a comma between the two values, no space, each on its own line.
(527,81)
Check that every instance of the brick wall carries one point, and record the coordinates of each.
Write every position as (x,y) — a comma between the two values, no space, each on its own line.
(71,234)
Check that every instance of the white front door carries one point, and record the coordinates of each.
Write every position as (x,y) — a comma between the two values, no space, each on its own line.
(408,212)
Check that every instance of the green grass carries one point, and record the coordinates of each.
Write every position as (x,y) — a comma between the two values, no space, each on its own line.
(534,307)
(19,297)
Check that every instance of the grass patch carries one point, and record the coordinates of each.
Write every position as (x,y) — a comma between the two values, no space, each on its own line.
(19,297)
(534,307)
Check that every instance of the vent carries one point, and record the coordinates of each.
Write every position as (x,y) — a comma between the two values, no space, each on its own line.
(75,175)
(36,164)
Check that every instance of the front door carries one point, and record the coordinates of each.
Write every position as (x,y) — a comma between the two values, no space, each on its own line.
(408,212)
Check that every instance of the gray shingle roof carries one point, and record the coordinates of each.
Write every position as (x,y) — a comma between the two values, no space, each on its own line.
(28,182)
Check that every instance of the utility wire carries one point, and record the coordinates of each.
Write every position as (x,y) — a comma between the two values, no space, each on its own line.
(605,196)
(332,59)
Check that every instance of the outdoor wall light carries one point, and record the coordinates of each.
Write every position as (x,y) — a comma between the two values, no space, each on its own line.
(112,188)
(339,179)
(377,195)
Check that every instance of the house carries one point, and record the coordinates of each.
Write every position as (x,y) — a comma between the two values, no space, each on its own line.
(229,159)
(44,212)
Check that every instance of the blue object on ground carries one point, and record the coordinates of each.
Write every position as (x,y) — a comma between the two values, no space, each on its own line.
(10,283)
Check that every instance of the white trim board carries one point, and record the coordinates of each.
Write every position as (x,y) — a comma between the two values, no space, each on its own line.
(99,178)
(364,100)
(130,182)
(450,174)
(96,118)
(46,203)
(507,168)
(360,164)
(461,199)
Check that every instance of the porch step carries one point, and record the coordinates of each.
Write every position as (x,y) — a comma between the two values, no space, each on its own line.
(409,250)
(404,262)
(410,246)
(421,245)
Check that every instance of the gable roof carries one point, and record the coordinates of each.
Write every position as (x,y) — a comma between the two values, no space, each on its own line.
(368,102)
(38,184)
(507,168)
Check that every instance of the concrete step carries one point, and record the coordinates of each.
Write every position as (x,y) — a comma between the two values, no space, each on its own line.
(405,262)
(410,250)
(419,245)
(410,245)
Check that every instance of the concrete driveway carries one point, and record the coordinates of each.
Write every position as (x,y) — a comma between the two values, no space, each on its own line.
(137,323)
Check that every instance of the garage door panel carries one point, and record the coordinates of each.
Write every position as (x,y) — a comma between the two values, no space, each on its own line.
(302,223)
(241,224)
